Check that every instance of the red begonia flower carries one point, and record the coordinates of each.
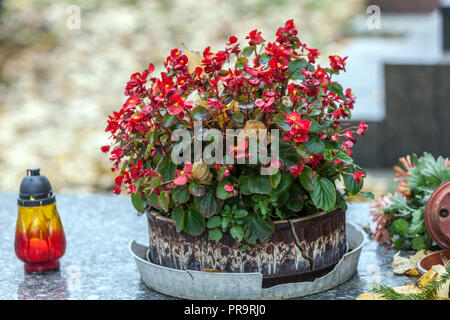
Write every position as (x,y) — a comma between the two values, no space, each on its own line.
(183,175)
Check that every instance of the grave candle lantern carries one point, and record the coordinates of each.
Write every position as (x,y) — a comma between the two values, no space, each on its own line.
(40,239)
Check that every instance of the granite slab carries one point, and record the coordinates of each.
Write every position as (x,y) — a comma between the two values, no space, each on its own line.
(97,264)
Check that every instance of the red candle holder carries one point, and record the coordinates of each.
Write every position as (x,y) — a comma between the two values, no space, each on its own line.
(40,241)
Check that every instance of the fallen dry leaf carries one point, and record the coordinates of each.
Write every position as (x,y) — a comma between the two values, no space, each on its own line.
(234,106)
(406,289)
(369,296)
(194,58)
(417,256)
(252,131)
(197,99)
(408,266)
(427,278)
(445,260)
(434,274)
(401,265)
(413,272)
(443,291)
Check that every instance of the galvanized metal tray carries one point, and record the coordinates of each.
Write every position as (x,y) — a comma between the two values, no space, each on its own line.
(190,284)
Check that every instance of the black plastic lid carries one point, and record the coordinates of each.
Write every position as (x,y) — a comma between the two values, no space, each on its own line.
(35,190)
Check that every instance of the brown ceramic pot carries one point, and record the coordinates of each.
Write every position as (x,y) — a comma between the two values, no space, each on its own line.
(300,249)
(427,262)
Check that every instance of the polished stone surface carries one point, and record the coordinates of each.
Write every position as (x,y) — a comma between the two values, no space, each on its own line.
(97,264)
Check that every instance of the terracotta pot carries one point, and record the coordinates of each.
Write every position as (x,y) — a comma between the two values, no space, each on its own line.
(300,249)
(424,265)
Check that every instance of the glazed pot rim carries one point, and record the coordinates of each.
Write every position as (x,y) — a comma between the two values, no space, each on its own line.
(421,268)
(158,215)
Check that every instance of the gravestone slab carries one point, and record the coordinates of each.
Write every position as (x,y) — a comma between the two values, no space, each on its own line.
(417,115)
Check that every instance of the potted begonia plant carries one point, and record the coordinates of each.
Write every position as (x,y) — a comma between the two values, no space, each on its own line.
(191,148)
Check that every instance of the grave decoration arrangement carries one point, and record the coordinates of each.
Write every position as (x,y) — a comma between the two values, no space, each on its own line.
(400,216)
(240,191)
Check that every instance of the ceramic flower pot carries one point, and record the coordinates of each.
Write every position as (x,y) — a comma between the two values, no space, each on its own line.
(300,249)
(426,263)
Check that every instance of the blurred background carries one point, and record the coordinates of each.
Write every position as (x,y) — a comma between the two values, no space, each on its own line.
(58,83)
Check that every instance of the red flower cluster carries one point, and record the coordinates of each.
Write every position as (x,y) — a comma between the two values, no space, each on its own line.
(337,63)
(183,175)
(300,128)
(275,82)
(254,37)
(358,175)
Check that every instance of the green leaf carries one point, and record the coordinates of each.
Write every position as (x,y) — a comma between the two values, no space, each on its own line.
(301,151)
(350,184)
(259,184)
(238,214)
(263,59)
(163,200)
(316,112)
(315,126)
(215,234)
(344,157)
(248,51)
(295,69)
(238,118)
(280,122)
(199,113)
(417,228)
(257,229)
(275,179)
(397,241)
(243,185)
(196,189)
(368,195)
(153,200)
(167,169)
(154,183)
(169,120)
(401,226)
(181,195)
(340,201)
(225,222)
(324,193)
(283,186)
(306,178)
(221,193)
(418,243)
(328,154)
(220,173)
(178,216)
(214,222)
(237,233)
(295,201)
(193,222)
(151,136)
(148,151)
(137,201)
(208,204)
(282,199)
(314,145)
(336,88)
(418,215)
(289,155)
(434,170)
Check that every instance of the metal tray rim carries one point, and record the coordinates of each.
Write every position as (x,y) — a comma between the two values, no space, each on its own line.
(342,272)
